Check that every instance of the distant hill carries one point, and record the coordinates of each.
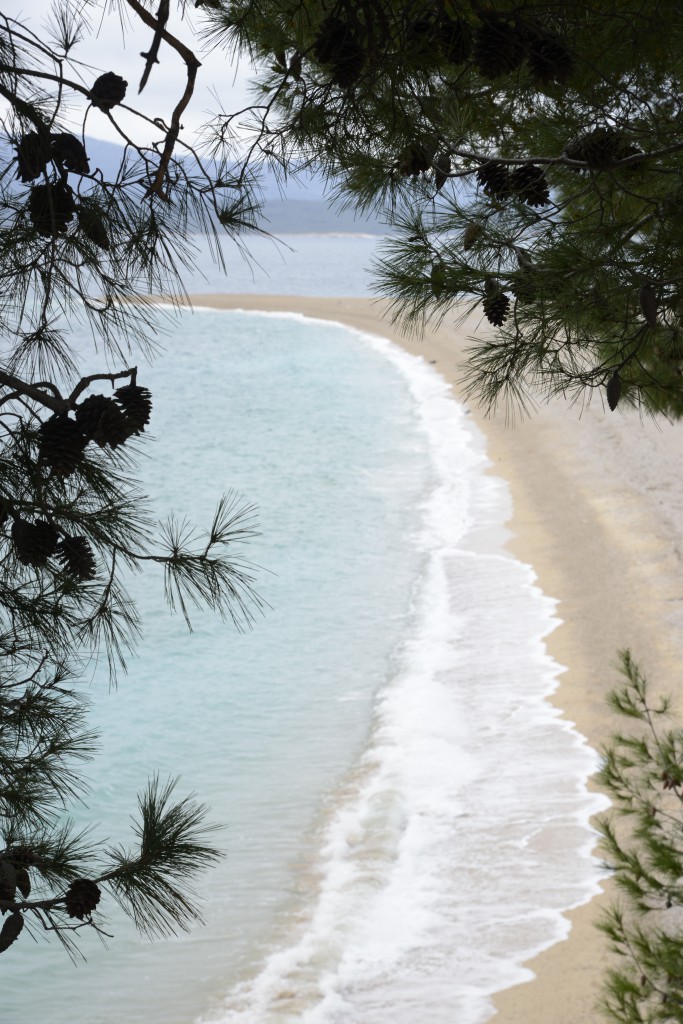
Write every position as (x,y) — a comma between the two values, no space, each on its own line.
(105,156)
(300,210)
(310,216)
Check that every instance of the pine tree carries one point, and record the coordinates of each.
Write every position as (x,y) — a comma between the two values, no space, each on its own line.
(552,128)
(642,838)
(77,248)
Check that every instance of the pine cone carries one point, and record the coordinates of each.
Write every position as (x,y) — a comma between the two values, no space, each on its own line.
(89,412)
(82,897)
(35,542)
(647,297)
(8,880)
(437,278)
(77,557)
(136,405)
(112,428)
(11,930)
(529,182)
(51,207)
(500,45)
(442,168)
(33,155)
(23,882)
(294,67)
(102,421)
(494,178)
(524,287)
(337,46)
(70,153)
(347,68)
(21,856)
(12,877)
(61,444)
(416,158)
(420,35)
(613,390)
(598,148)
(549,58)
(108,91)
(627,150)
(326,42)
(470,235)
(455,39)
(496,308)
(92,226)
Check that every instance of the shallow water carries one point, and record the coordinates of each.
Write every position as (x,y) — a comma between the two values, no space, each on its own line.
(406,813)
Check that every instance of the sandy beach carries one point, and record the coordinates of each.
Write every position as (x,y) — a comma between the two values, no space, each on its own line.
(597,500)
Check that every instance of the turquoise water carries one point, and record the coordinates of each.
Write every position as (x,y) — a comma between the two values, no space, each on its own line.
(380,866)
(317,430)
(292,265)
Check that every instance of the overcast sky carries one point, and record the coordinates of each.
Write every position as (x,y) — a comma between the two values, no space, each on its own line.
(110,49)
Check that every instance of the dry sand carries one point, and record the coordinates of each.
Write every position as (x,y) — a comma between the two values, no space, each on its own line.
(598,500)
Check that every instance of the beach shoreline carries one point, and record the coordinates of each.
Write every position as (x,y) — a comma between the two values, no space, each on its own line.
(595,500)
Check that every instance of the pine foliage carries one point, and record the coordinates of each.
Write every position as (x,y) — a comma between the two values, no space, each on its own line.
(78,248)
(559,125)
(642,840)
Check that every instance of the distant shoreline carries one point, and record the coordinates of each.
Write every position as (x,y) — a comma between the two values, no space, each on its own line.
(596,502)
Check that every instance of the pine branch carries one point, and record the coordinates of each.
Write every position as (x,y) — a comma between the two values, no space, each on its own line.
(642,771)
(152,886)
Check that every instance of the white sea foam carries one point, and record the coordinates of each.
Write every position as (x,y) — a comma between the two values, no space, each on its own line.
(448,857)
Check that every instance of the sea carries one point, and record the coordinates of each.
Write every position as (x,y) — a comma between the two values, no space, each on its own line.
(404,811)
